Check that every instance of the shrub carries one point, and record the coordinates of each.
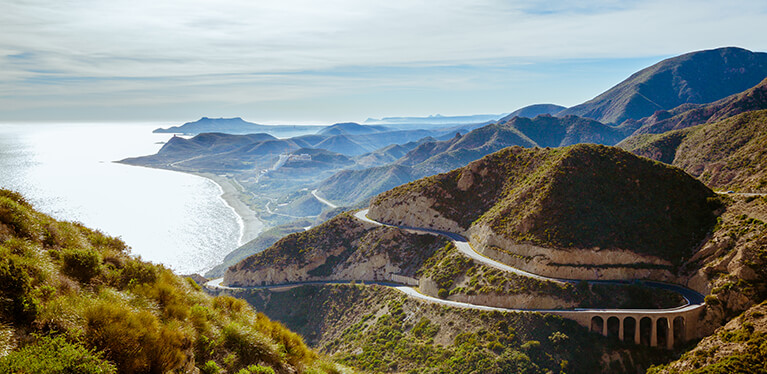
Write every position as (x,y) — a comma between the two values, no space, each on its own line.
(55,355)
(81,264)
(18,217)
(250,346)
(210,367)
(15,285)
(135,341)
(442,293)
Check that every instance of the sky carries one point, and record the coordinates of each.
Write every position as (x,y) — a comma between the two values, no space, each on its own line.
(301,61)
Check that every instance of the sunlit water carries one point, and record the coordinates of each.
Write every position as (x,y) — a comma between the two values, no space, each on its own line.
(66,170)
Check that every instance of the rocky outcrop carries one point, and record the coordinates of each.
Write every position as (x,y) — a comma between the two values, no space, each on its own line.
(413,212)
(569,263)
(378,267)
(342,249)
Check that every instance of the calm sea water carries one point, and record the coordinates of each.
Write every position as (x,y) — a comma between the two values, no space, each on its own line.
(67,171)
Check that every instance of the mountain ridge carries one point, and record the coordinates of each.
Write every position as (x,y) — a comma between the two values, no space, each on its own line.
(696,77)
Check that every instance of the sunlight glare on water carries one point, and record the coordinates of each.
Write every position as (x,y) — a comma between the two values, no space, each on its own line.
(66,170)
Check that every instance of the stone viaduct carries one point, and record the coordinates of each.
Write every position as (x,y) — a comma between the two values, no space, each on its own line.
(652,327)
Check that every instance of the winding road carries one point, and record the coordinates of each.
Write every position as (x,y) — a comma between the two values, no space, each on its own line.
(693,299)
(326,202)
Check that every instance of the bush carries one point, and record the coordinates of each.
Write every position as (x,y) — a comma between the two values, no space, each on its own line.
(55,355)
(442,293)
(18,217)
(250,346)
(135,341)
(210,367)
(15,285)
(81,264)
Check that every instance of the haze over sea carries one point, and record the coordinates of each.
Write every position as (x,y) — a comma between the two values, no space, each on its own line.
(67,170)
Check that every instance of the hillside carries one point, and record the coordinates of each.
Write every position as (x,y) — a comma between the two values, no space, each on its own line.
(583,196)
(345,248)
(697,77)
(74,300)
(731,265)
(548,131)
(689,115)
(378,330)
(729,154)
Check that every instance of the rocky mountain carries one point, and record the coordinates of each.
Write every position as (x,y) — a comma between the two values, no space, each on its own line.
(688,115)
(234,126)
(532,111)
(73,300)
(696,78)
(546,203)
(729,154)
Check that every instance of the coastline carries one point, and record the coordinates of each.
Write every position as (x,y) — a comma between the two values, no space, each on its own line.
(250,225)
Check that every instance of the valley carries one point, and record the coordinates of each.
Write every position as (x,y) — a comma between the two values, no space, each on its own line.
(625,234)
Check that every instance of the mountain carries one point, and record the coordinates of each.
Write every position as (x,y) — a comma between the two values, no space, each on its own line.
(73,300)
(532,111)
(234,126)
(351,128)
(435,120)
(351,186)
(548,131)
(219,152)
(697,77)
(688,115)
(389,154)
(342,144)
(729,154)
(579,197)
(210,143)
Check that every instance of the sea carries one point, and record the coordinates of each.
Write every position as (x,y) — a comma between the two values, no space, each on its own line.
(67,170)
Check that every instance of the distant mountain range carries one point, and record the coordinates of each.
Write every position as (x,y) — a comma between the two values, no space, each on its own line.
(434,120)
(532,111)
(348,187)
(235,126)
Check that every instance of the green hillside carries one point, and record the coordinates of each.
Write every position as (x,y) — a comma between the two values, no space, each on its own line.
(73,300)
(729,154)
(581,196)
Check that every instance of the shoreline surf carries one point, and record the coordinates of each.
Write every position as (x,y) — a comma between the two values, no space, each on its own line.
(250,224)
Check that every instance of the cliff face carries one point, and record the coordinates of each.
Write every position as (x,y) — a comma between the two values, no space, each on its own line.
(584,210)
(342,248)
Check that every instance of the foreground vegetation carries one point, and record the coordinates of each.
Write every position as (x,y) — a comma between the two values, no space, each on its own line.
(376,329)
(73,300)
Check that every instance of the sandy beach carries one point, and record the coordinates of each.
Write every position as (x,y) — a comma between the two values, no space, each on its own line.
(251,225)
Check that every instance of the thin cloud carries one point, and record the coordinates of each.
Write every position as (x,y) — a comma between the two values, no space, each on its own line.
(53,51)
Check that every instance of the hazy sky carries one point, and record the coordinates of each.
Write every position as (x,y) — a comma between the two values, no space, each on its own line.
(337,60)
